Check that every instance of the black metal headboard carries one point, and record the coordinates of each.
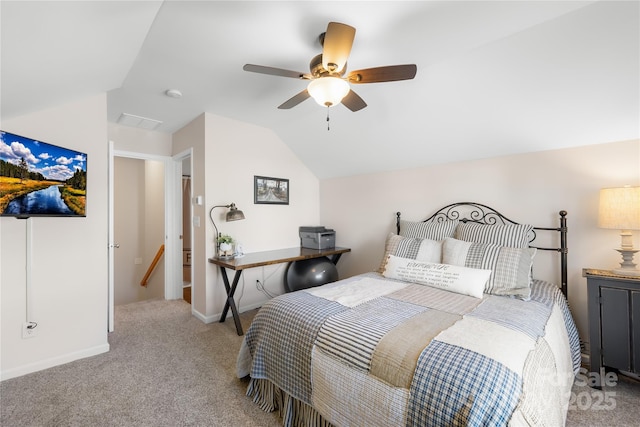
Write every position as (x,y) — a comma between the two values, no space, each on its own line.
(482,214)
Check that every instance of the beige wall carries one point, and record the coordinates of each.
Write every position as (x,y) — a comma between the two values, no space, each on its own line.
(143,230)
(69,256)
(138,228)
(192,137)
(71,309)
(236,152)
(529,188)
(154,229)
(226,156)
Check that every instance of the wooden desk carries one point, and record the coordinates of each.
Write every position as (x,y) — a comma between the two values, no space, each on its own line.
(259,259)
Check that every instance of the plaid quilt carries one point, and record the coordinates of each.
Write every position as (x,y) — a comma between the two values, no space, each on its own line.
(412,356)
(281,338)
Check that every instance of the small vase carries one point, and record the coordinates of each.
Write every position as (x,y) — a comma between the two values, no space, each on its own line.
(226,249)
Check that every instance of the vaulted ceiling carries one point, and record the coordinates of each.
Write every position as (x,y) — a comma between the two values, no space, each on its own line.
(494,77)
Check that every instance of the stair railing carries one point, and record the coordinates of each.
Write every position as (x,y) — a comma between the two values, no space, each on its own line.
(152,267)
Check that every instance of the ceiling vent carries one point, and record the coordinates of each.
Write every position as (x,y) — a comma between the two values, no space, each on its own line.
(138,122)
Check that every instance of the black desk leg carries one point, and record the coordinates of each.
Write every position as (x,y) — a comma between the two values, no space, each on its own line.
(335,258)
(230,301)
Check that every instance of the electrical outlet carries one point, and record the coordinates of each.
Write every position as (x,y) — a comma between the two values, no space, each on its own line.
(29,329)
(137,261)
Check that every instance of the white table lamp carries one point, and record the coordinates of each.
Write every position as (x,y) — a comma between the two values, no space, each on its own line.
(620,209)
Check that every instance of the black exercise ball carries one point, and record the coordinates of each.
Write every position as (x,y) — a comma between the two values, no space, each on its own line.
(309,273)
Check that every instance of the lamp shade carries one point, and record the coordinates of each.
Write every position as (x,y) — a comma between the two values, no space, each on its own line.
(619,208)
(234,213)
(328,91)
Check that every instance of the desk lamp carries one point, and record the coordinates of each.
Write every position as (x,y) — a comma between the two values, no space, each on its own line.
(234,214)
(620,209)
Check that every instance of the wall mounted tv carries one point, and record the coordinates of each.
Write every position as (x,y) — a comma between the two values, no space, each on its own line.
(41,179)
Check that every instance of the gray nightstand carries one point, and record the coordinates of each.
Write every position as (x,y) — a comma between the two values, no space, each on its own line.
(614,320)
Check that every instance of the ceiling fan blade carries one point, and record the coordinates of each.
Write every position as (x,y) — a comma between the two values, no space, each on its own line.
(353,101)
(337,46)
(383,74)
(294,100)
(275,71)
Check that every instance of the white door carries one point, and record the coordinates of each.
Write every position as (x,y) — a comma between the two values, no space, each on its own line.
(112,244)
(181,215)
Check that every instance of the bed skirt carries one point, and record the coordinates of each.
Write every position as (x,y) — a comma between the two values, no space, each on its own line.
(292,411)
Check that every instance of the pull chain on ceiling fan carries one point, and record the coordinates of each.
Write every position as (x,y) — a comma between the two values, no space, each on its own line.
(328,84)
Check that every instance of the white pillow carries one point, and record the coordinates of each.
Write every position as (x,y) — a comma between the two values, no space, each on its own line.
(453,278)
(510,267)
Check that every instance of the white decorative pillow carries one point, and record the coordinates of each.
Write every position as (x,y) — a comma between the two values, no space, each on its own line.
(510,267)
(511,235)
(428,230)
(413,248)
(453,278)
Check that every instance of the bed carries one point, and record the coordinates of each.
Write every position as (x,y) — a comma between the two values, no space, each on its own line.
(452,329)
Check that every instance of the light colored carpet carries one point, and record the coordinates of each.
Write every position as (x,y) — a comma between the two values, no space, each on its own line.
(615,405)
(166,368)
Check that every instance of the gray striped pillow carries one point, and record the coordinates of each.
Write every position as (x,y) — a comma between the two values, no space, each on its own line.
(510,267)
(511,235)
(412,248)
(428,230)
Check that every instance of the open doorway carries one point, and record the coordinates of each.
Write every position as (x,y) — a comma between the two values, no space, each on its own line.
(170,185)
(139,229)
(186,230)
(180,206)
(165,201)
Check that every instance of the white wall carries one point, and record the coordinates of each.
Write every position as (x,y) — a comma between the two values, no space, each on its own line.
(227,155)
(127,138)
(235,153)
(529,188)
(69,257)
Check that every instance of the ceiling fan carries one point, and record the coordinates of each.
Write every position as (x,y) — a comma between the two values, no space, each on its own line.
(328,84)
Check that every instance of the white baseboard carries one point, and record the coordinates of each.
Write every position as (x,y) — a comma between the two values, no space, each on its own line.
(202,317)
(54,361)
(252,306)
(216,317)
(631,375)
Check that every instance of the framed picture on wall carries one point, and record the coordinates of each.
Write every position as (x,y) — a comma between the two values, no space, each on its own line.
(270,191)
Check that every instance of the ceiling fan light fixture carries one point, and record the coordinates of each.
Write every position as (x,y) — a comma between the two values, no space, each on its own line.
(328,91)
(328,84)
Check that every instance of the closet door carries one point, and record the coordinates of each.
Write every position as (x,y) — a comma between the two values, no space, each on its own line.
(635,325)
(615,328)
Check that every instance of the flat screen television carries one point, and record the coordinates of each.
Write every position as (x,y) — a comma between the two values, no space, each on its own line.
(41,179)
